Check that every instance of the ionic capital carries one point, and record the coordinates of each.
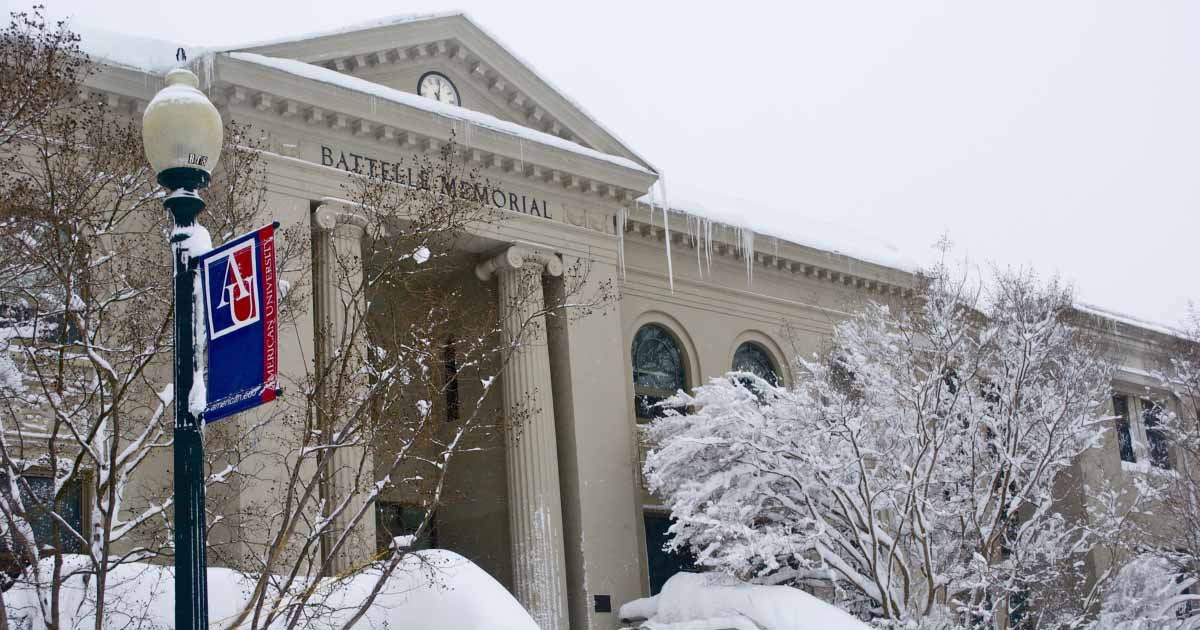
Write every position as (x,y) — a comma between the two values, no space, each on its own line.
(519,257)
(334,216)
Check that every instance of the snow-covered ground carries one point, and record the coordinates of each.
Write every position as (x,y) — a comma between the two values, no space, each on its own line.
(431,590)
(695,601)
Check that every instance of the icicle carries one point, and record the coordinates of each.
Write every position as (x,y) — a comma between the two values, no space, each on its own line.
(666,208)
(708,245)
(694,222)
(748,251)
(622,221)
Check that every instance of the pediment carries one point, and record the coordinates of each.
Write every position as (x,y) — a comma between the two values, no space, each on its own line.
(489,78)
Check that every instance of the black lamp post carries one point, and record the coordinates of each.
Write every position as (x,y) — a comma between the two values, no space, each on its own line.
(181,131)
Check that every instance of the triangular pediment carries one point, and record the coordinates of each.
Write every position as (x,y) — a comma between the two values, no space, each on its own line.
(397,52)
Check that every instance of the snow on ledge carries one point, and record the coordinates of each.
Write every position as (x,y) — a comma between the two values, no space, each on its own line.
(695,601)
(381,22)
(1129,320)
(744,215)
(332,77)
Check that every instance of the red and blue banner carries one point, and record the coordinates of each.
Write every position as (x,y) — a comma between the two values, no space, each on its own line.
(243,334)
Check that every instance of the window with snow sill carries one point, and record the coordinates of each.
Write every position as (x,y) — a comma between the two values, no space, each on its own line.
(1141,439)
(37,498)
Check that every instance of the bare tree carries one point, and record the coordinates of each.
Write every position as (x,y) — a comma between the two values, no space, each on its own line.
(410,347)
(85,329)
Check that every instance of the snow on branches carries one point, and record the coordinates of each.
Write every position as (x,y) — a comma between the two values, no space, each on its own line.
(920,471)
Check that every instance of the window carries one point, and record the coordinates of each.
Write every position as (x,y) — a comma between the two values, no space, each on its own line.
(662,564)
(1124,434)
(450,391)
(400,519)
(37,495)
(657,369)
(753,358)
(1156,437)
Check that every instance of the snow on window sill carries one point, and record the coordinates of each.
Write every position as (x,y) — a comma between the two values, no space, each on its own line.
(1144,467)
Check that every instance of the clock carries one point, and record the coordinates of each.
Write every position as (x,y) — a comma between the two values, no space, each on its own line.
(436,86)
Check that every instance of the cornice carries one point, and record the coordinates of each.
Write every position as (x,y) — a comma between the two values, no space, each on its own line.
(788,258)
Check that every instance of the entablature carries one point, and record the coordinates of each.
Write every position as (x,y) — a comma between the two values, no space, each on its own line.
(781,256)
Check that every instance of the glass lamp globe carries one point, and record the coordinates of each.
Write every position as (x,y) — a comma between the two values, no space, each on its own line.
(181,131)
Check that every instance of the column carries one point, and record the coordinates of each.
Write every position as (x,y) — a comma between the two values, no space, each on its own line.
(534,500)
(339,309)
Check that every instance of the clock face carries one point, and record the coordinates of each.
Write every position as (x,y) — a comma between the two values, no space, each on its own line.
(436,86)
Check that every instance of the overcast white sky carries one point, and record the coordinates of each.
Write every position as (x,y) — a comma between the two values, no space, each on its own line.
(1061,134)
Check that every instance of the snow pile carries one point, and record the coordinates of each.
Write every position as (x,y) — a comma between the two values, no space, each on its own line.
(430,590)
(694,601)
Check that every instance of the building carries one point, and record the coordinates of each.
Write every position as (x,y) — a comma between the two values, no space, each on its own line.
(562,519)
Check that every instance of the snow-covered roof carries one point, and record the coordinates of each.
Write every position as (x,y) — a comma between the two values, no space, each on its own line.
(418,17)
(1128,320)
(787,226)
(147,54)
(381,22)
(157,56)
(332,77)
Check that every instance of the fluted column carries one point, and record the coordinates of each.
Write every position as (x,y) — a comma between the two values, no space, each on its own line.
(339,310)
(534,497)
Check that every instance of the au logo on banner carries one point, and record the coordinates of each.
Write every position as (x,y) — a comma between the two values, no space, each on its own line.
(235,275)
(240,308)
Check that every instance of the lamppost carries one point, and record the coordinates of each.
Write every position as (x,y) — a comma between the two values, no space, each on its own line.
(181,131)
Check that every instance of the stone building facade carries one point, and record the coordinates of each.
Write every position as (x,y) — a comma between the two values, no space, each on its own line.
(562,517)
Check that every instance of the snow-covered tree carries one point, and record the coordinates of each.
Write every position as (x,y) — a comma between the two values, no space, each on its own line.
(1170,555)
(919,473)
(1152,592)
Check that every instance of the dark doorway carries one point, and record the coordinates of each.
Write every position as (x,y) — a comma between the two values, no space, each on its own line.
(663,564)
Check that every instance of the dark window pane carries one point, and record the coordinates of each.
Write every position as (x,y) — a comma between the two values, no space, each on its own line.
(450,359)
(37,495)
(398,519)
(661,563)
(752,358)
(657,369)
(647,406)
(1157,438)
(1124,438)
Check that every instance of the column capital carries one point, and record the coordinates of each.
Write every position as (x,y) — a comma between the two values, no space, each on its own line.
(333,214)
(519,257)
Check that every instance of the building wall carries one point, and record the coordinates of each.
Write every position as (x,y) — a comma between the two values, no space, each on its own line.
(789,303)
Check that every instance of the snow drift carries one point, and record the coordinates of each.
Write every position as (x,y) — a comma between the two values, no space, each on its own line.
(694,601)
(430,590)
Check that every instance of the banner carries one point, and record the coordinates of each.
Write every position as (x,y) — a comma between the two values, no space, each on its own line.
(243,334)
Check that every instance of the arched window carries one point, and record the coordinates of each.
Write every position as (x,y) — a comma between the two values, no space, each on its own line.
(753,358)
(657,369)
